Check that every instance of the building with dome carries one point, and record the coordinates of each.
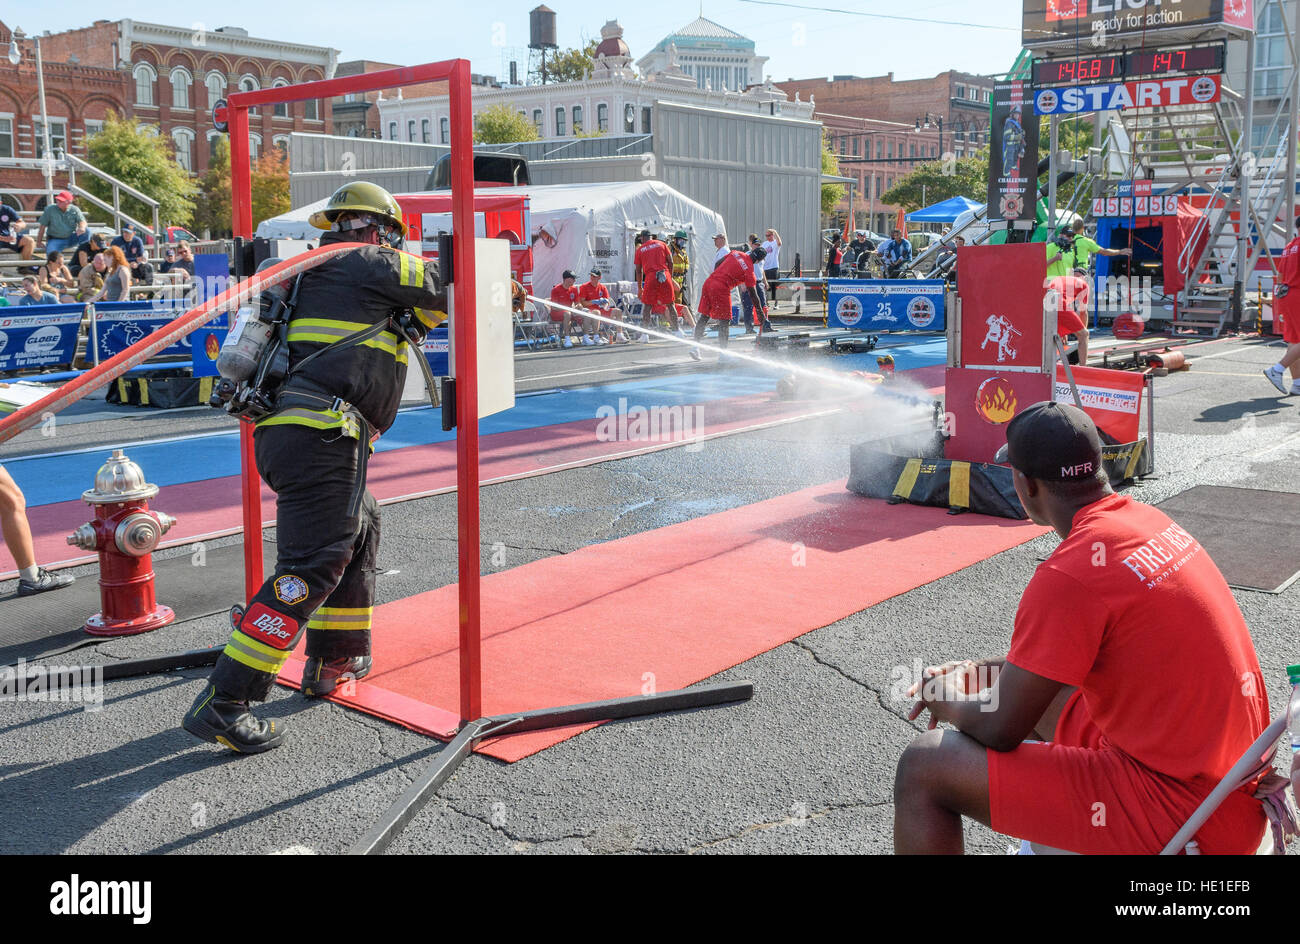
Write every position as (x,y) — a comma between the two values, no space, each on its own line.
(714,56)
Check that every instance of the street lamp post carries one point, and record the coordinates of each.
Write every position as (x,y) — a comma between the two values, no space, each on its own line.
(15,56)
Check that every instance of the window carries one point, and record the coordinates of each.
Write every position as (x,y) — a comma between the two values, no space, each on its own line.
(249,84)
(911,150)
(216,83)
(559,122)
(144,79)
(645,120)
(311,110)
(392,131)
(183,139)
(214,139)
(7,136)
(629,119)
(444,127)
(281,108)
(282,142)
(537,123)
(410,130)
(254,147)
(577,119)
(880,149)
(602,117)
(425,133)
(93,127)
(58,135)
(180,79)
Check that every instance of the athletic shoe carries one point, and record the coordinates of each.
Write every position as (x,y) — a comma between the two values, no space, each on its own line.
(44,581)
(1275,376)
(623,338)
(695,354)
(601,339)
(1295,390)
(587,341)
(749,330)
(568,342)
(219,719)
(322,676)
(645,338)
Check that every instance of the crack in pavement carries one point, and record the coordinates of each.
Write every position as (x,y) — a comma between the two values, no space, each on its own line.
(880,698)
(788,821)
(513,837)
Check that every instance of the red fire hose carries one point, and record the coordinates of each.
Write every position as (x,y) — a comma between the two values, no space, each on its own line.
(164,337)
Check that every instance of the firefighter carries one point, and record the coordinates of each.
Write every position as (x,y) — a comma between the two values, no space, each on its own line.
(654,263)
(734,271)
(343,389)
(681,269)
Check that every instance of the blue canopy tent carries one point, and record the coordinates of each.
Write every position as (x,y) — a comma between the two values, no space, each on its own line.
(946,211)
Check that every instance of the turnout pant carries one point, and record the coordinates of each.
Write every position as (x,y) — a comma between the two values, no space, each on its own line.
(327,533)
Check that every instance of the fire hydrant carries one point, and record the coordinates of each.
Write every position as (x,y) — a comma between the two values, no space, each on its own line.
(125,533)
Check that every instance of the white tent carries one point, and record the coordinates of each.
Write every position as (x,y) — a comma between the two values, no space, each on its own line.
(578,227)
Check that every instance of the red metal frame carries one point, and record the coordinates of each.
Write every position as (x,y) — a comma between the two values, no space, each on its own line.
(456,73)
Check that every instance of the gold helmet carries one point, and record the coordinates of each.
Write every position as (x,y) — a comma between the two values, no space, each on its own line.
(360,197)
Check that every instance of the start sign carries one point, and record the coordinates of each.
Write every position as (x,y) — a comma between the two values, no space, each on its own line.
(1149,93)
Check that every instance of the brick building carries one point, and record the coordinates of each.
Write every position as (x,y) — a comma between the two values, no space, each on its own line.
(165,77)
(876,154)
(961,99)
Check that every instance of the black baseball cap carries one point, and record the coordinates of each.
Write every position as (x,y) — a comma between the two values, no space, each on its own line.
(568,274)
(595,272)
(1053,442)
(758,253)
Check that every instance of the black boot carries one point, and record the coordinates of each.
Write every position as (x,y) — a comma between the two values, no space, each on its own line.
(322,676)
(220,719)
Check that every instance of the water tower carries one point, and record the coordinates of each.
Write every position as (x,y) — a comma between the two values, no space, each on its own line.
(541,35)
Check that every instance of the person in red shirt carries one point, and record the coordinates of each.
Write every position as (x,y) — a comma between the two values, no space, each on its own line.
(566,293)
(1130,689)
(1069,295)
(1286,307)
(735,270)
(594,294)
(654,262)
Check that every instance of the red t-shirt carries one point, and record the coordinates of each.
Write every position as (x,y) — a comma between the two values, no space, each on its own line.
(1288,273)
(565,296)
(589,293)
(735,269)
(1132,610)
(653,256)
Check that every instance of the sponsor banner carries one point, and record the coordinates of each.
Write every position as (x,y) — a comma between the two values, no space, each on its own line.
(885,305)
(118,325)
(1144,93)
(1013,154)
(437,351)
(1113,398)
(36,335)
(1003,320)
(1058,21)
(981,402)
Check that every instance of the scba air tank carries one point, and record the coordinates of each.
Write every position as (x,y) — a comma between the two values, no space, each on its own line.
(242,352)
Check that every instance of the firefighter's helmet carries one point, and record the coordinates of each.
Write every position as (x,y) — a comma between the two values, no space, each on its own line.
(360,197)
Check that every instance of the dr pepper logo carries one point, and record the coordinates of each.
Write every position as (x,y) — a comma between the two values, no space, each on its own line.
(995,401)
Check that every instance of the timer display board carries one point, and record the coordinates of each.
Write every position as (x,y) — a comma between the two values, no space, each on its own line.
(1137,64)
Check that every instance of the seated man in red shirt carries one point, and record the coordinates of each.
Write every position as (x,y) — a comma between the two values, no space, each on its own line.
(594,294)
(1068,295)
(1130,690)
(735,270)
(566,293)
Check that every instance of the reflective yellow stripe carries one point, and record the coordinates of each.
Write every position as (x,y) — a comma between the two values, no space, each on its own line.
(252,661)
(327,331)
(1138,448)
(245,641)
(341,617)
(907,481)
(959,485)
(316,419)
(430,318)
(205,389)
(412,273)
(144,391)
(346,610)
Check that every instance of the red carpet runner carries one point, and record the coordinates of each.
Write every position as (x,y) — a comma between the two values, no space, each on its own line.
(665,608)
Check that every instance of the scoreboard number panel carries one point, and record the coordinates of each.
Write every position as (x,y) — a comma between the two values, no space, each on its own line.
(1133,64)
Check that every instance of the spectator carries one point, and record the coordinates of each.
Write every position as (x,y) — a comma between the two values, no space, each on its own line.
(32,294)
(720,244)
(895,254)
(1072,254)
(595,295)
(18,538)
(132,247)
(87,251)
(1130,689)
(56,278)
(756,255)
(169,261)
(566,293)
(12,239)
(91,278)
(185,258)
(945,265)
(1286,307)
(859,245)
(834,257)
(772,263)
(64,221)
(118,280)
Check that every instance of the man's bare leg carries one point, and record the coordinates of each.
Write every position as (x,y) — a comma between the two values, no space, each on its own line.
(13,522)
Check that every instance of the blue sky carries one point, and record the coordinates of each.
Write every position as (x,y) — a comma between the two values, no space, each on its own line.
(799,43)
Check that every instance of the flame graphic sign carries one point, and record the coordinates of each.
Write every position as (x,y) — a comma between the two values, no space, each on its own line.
(211,348)
(995,401)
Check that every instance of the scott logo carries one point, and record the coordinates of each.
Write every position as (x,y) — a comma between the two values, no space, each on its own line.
(271,625)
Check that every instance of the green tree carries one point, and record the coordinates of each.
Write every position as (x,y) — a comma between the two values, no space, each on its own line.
(571,65)
(143,159)
(1073,135)
(832,194)
(501,124)
(939,180)
(213,209)
(270,185)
